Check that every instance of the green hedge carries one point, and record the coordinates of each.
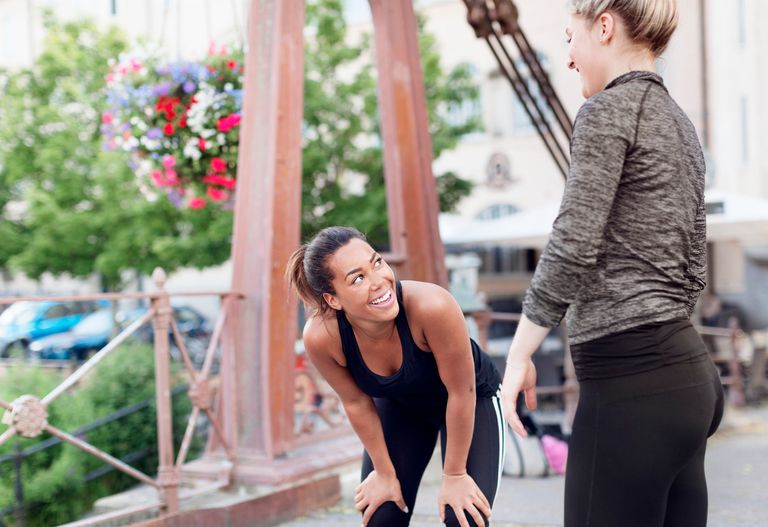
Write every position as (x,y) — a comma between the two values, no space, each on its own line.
(54,479)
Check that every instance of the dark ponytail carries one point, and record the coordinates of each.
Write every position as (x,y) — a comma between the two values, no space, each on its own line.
(307,270)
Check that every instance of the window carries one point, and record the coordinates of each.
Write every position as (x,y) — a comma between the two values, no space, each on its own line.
(742,21)
(744,129)
(494,212)
(521,123)
(506,260)
(113,7)
(497,110)
(57,311)
(467,110)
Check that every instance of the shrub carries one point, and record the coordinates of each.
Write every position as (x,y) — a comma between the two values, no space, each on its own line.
(55,486)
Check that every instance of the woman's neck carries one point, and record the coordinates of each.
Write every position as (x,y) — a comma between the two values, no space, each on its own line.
(639,61)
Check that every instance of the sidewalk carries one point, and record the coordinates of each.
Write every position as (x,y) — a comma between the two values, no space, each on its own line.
(737,472)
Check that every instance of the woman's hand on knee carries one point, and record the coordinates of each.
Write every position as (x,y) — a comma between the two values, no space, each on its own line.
(377,489)
(461,493)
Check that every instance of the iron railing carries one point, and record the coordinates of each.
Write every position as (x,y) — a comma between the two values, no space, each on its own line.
(27,415)
(20,454)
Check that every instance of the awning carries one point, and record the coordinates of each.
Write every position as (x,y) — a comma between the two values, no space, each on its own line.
(734,217)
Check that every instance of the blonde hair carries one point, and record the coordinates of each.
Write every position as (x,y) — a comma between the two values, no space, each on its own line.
(651,22)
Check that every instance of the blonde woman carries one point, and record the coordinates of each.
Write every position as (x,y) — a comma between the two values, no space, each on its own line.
(625,265)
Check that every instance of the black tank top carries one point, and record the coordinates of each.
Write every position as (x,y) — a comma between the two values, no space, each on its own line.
(417,381)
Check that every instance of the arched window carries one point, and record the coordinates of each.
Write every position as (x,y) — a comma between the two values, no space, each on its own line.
(494,212)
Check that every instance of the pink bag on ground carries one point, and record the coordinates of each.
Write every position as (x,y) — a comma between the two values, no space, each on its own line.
(556,452)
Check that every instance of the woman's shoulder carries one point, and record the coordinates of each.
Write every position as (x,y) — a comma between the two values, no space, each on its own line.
(425,299)
(321,335)
(615,110)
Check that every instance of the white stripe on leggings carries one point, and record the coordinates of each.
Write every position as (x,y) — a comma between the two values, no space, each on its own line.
(502,438)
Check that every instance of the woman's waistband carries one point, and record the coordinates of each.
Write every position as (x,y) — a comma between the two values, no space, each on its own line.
(643,348)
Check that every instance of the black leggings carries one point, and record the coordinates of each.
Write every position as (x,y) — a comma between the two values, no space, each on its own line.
(411,435)
(636,456)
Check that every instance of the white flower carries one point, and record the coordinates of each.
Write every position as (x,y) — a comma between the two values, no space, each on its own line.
(191,150)
(150,144)
(130,143)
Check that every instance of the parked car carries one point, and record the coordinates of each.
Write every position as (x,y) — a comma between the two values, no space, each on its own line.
(193,326)
(24,322)
(96,330)
(91,334)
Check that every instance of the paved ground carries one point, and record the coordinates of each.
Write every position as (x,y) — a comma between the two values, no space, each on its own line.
(737,470)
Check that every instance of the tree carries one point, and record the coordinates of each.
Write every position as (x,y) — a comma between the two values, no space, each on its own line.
(341,148)
(69,206)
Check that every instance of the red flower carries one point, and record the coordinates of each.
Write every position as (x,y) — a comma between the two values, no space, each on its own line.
(225,124)
(217,194)
(201,144)
(196,203)
(231,64)
(218,164)
(168,129)
(183,122)
(217,179)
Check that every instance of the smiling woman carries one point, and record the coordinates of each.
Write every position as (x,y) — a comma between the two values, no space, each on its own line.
(399,356)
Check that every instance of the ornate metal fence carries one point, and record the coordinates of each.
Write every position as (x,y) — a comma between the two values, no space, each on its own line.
(27,415)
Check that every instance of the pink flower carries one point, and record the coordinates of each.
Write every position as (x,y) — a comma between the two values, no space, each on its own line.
(106,118)
(217,179)
(159,179)
(196,203)
(218,164)
(135,65)
(225,124)
(217,194)
(169,162)
(201,144)
(171,177)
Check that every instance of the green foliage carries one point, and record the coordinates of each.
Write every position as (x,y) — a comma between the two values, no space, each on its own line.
(68,206)
(342,126)
(53,479)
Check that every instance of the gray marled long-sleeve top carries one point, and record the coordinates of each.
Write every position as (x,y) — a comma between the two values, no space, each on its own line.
(628,246)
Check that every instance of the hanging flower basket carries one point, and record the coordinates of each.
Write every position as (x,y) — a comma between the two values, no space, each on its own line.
(179,123)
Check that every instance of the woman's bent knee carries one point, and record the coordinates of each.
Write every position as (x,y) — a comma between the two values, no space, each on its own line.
(389,515)
(452,521)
